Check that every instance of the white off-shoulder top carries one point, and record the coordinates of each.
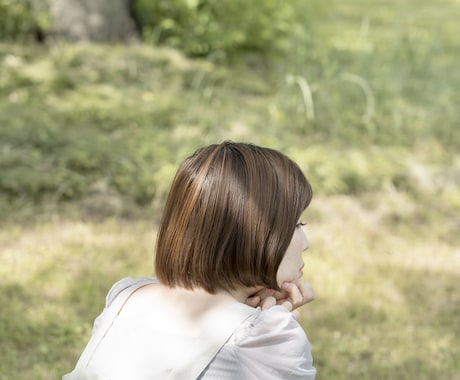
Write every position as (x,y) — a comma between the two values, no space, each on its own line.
(142,345)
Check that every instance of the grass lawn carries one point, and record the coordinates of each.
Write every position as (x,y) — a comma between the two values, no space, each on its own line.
(90,137)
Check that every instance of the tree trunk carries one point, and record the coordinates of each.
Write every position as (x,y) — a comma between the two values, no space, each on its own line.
(94,20)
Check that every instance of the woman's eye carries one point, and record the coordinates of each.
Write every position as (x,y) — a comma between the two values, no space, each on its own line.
(300,224)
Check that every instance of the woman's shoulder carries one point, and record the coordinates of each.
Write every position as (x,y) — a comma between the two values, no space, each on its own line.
(126,283)
(116,289)
(274,323)
(270,345)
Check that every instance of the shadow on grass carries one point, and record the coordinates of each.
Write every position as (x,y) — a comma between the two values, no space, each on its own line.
(33,339)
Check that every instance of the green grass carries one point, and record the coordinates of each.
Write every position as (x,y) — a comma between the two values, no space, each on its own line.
(90,137)
(387,303)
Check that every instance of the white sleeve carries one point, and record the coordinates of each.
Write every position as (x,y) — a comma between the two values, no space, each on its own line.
(274,347)
(116,289)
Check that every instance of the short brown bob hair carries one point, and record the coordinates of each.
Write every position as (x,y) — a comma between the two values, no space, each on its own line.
(229,218)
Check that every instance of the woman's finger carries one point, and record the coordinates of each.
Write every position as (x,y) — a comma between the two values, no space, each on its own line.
(306,290)
(268,302)
(299,292)
(253,301)
(294,293)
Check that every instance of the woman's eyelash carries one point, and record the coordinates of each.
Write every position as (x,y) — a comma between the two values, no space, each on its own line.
(301,224)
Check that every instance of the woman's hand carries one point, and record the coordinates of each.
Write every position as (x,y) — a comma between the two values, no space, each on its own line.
(292,295)
(297,293)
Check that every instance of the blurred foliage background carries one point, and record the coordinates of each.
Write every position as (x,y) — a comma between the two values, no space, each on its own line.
(363,96)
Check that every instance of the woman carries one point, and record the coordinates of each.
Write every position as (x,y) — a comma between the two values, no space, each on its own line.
(229,267)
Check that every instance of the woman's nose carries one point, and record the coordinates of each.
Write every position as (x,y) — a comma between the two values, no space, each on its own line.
(305,244)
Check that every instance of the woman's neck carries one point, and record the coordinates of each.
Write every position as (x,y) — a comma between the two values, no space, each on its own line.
(240,294)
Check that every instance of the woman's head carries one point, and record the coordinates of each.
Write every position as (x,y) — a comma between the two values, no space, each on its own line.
(229,218)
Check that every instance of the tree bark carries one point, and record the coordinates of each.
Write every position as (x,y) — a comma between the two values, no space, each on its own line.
(94,20)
